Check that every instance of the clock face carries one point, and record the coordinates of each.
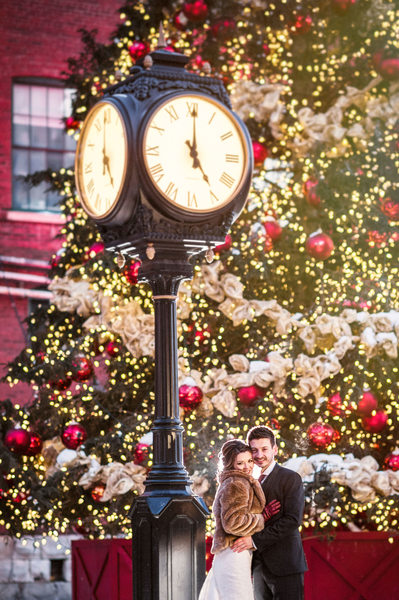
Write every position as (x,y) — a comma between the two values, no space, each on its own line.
(101,159)
(195,153)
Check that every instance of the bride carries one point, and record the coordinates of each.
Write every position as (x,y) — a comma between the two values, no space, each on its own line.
(239,510)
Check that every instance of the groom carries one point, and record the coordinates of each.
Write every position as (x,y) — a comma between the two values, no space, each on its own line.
(279,561)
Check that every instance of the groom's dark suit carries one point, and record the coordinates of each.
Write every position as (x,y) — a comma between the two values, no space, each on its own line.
(279,553)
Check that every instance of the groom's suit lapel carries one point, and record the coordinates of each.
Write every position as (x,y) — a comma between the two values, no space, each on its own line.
(270,481)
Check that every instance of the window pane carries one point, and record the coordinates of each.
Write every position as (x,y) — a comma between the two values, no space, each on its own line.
(38,132)
(38,100)
(53,201)
(20,166)
(20,162)
(20,195)
(37,161)
(68,97)
(38,196)
(55,102)
(56,134)
(21,99)
(70,143)
(68,160)
(54,160)
(21,130)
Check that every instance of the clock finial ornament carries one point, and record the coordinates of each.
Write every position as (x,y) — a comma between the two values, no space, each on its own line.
(161,38)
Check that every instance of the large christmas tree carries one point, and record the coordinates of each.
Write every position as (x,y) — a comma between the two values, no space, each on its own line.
(296,322)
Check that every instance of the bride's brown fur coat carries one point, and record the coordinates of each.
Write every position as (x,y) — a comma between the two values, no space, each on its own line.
(237,508)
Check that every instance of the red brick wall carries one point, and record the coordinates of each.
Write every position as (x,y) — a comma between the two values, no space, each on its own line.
(37,38)
(12,312)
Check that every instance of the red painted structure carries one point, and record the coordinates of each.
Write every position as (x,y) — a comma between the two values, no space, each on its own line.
(37,39)
(351,566)
(102,570)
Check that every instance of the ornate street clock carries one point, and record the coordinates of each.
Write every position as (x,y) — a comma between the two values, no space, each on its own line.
(164,145)
(195,157)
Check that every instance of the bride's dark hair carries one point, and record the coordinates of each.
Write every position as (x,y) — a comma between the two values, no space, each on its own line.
(228,453)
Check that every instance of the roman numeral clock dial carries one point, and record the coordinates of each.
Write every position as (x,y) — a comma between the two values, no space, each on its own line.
(101,161)
(196,155)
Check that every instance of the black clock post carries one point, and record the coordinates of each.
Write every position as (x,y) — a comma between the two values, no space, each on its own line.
(168,520)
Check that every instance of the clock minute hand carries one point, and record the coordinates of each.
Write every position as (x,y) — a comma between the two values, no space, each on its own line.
(194,151)
(105,158)
(204,175)
(193,145)
(106,164)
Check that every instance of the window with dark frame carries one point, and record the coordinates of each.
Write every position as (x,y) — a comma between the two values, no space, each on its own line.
(39,140)
(57,569)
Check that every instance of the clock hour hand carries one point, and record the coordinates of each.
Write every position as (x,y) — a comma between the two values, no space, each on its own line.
(106,165)
(196,162)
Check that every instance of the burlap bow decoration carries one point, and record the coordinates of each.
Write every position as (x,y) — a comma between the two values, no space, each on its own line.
(362,476)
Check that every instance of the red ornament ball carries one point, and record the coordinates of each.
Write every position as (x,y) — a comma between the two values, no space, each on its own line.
(73,436)
(321,435)
(334,404)
(260,153)
(139,49)
(342,6)
(95,249)
(377,57)
(132,272)
(377,238)
(310,191)
(266,49)
(112,348)
(388,68)
(35,445)
(390,208)
(82,368)
(223,29)
(141,453)
(197,336)
(375,423)
(224,247)
(195,11)
(97,492)
(72,123)
(17,440)
(274,424)
(392,461)
(250,395)
(61,384)
(19,497)
(367,403)
(190,396)
(273,229)
(180,20)
(302,24)
(319,245)
(198,62)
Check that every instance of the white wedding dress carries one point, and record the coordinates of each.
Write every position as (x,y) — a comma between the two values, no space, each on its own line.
(229,577)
